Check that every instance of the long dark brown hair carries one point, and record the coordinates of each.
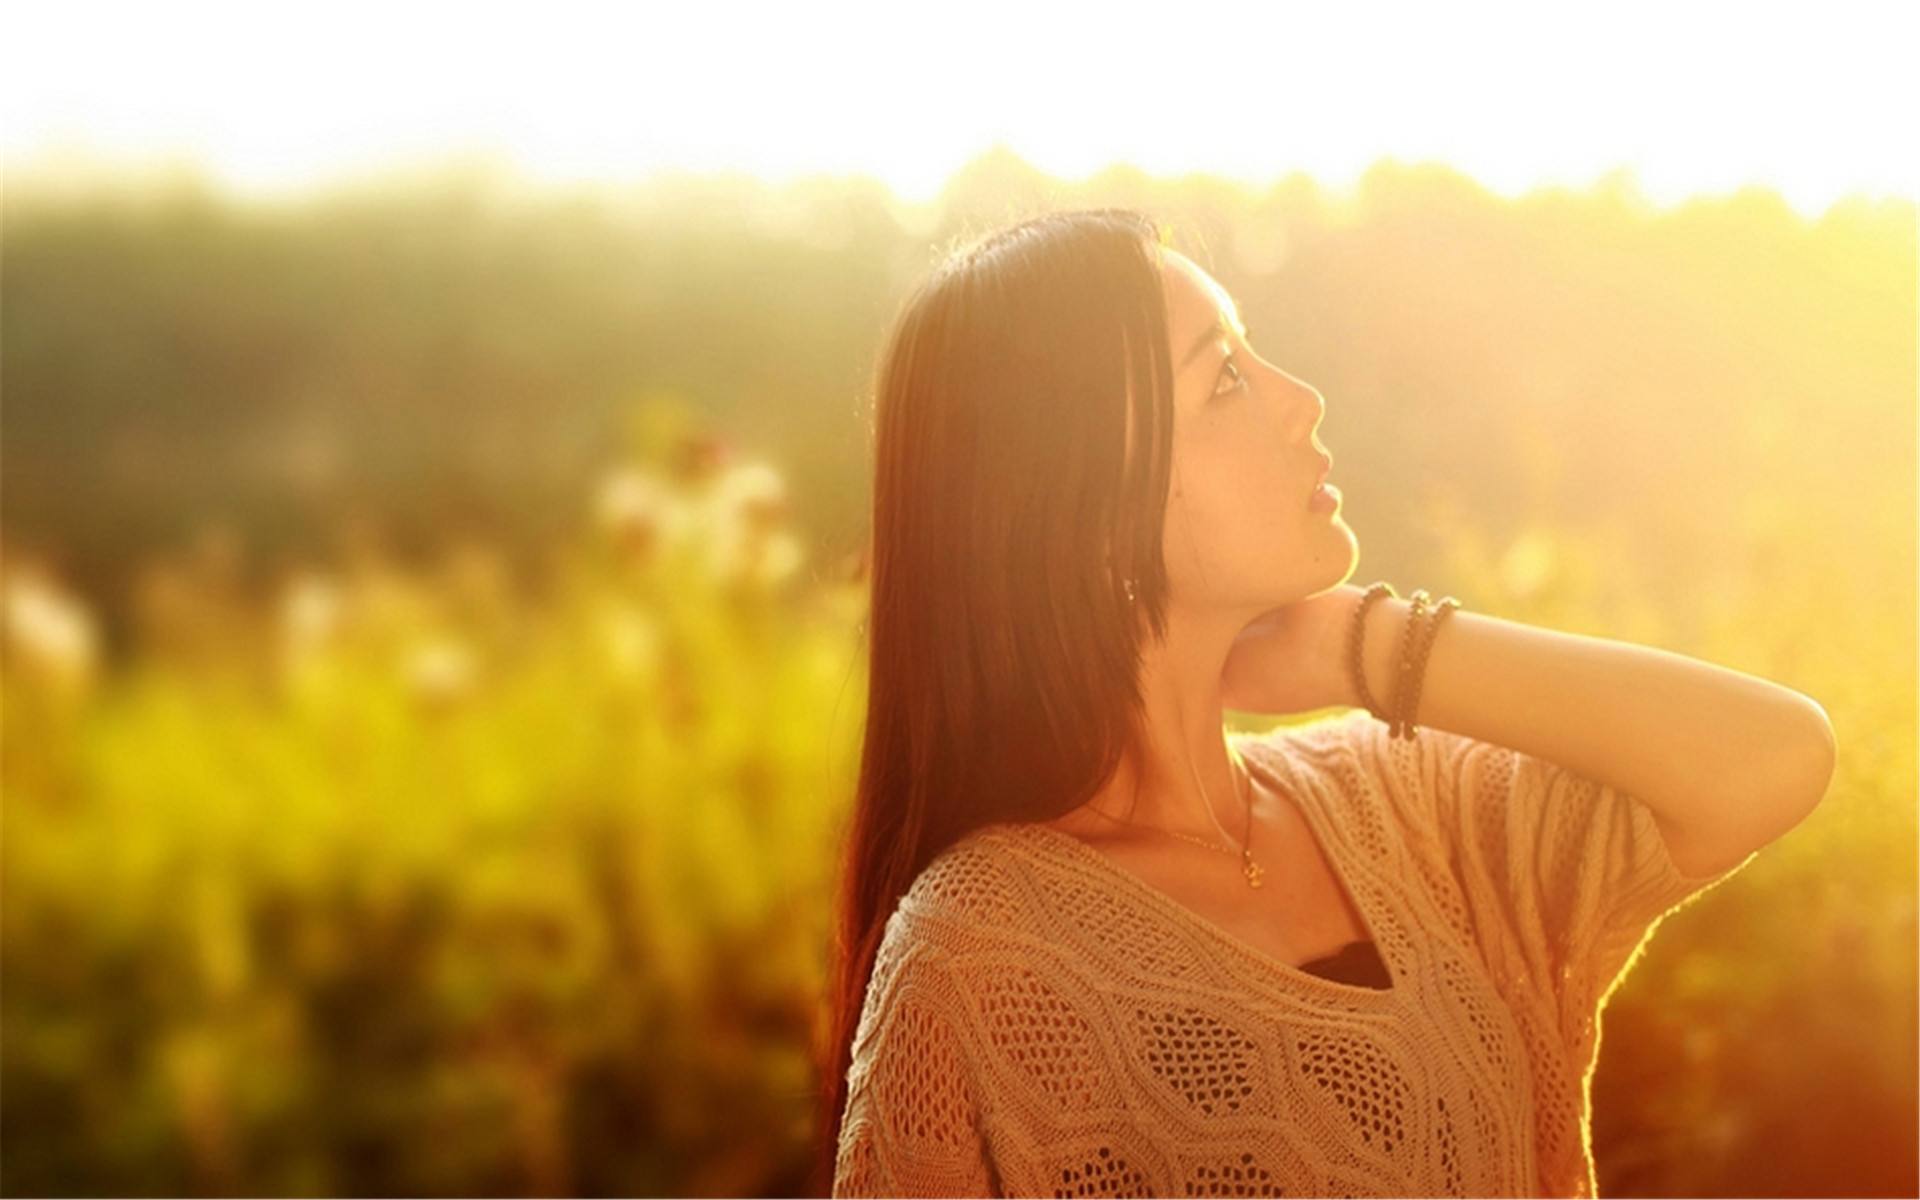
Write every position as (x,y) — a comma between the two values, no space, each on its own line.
(1004,654)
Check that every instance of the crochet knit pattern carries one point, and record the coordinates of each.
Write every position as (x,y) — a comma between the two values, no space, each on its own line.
(1042,1022)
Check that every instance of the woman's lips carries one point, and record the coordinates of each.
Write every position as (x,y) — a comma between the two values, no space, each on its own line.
(1323,498)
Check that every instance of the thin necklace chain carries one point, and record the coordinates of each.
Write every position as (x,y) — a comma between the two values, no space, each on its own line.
(1248,867)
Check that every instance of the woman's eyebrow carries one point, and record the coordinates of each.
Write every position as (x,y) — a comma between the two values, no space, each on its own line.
(1207,336)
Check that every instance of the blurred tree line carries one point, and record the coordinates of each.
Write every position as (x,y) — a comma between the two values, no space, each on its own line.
(451,356)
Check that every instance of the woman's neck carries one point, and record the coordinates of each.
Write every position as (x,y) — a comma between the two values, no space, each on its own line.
(1184,780)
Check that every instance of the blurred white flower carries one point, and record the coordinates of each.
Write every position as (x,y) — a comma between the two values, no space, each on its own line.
(751,493)
(741,556)
(779,558)
(50,630)
(746,541)
(640,509)
(310,613)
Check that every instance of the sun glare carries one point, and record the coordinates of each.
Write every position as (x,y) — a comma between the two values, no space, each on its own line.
(1687,101)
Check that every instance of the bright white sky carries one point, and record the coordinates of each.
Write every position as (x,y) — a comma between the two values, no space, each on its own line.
(1813,99)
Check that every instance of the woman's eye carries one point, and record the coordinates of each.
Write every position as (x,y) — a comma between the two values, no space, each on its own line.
(1230,370)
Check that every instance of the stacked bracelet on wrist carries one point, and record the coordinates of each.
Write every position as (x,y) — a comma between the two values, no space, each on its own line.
(1409,667)
(1355,664)
(1400,725)
(1423,646)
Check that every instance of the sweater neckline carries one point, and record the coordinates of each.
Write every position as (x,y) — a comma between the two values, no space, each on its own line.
(1272,761)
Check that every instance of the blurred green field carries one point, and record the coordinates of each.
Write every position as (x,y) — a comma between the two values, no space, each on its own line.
(432,673)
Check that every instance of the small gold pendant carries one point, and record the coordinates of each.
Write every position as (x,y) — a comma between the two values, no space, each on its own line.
(1253,873)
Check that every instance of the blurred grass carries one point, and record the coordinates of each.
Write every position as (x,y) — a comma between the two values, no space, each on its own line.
(415,903)
(407,869)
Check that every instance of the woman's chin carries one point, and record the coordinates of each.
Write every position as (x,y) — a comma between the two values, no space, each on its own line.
(1339,562)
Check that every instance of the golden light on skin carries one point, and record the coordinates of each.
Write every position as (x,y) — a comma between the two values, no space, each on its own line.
(1687,99)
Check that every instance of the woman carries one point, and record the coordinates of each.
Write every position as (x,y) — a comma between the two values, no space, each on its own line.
(1090,945)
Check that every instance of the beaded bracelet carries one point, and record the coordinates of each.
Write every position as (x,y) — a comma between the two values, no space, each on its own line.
(1356,664)
(1416,644)
(1423,647)
(1417,604)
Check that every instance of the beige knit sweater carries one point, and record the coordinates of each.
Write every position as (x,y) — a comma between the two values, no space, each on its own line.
(1042,1022)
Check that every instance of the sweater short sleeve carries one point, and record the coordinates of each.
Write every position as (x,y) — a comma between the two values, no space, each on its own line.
(1566,877)
(911,1126)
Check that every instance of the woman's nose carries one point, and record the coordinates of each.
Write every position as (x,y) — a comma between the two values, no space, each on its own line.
(1311,410)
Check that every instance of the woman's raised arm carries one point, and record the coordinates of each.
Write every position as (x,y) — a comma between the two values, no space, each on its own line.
(1725,761)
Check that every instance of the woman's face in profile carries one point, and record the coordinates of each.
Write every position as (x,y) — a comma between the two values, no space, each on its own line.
(1240,531)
